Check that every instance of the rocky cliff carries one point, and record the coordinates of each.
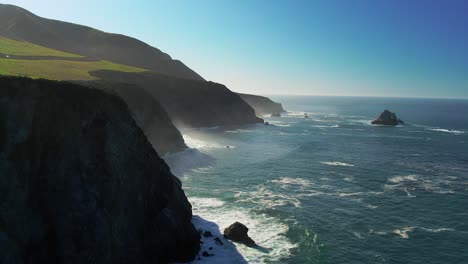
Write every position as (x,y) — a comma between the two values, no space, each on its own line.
(262,105)
(190,103)
(80,183)
(148,114)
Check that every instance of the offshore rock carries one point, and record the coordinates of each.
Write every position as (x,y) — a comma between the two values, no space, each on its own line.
(237,232)
(387,118)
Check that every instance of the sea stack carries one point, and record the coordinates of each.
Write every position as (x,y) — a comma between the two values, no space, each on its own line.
(237,232)
(387,118)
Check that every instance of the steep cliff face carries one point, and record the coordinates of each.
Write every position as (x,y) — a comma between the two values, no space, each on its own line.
(20,24)
(262,105)
(148,114)
(190,103)
(80,183)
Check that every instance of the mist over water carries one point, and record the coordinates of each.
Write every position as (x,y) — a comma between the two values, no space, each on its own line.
(333,188)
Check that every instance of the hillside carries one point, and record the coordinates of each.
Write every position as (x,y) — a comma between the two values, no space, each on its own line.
(42,48)
(81,183)
(59,69)
(23,48)
(20,24)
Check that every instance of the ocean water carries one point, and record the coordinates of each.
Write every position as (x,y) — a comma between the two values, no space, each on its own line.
(333,188)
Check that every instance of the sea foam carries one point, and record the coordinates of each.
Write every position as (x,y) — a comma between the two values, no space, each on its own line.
(456,132)
(214,215)
(337,163)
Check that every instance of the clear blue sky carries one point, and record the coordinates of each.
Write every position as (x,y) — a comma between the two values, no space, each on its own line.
(347,47)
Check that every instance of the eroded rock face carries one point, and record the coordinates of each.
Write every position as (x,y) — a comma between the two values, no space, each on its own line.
(80,183)
(387,118)
(237,232)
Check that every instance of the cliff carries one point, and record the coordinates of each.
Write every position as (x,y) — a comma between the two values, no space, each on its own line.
(80,183)
(20,24)
(150,116)
(190,103)
(262,105)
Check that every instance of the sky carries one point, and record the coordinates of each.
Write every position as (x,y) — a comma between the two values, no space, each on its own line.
(400,48)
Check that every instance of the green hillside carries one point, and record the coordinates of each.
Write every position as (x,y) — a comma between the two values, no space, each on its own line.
(59,69)
(67,67)
(22,48)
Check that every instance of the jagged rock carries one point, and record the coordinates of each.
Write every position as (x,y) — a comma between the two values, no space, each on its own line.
(80,182)
(276,114)
(237,232)
(387,118)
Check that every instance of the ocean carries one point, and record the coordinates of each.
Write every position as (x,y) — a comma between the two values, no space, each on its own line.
(332,188)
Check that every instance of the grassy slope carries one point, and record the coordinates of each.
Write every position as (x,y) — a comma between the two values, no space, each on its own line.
(59,69)
(51,69)
(14,47)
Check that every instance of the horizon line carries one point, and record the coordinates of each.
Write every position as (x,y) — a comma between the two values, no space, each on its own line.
(360,96)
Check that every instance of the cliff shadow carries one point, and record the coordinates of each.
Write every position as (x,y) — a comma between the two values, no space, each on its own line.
(187,160)
(215,248)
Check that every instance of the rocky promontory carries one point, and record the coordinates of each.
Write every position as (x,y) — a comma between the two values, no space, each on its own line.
(80,183)
(387,118)
(262,105)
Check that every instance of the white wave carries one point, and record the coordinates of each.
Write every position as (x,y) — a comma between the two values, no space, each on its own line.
(438,230)
(196,143)
(405,231)
(359,194)
(268,198)
(214,215)
(410,183)
(282,125)
(358,235)
(337,163)
(408,193)
(240,131)
(361,121)
(456,132)
(399,179)
(349,179)
(318,126)
(292,181)
(296,114)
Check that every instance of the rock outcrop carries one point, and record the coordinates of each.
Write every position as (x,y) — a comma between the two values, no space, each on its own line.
(80,183)
(237,232)
(190,103)
(262,105)
(149,115)
(387,118)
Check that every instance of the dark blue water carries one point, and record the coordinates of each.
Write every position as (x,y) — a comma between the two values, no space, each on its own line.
(335,189)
